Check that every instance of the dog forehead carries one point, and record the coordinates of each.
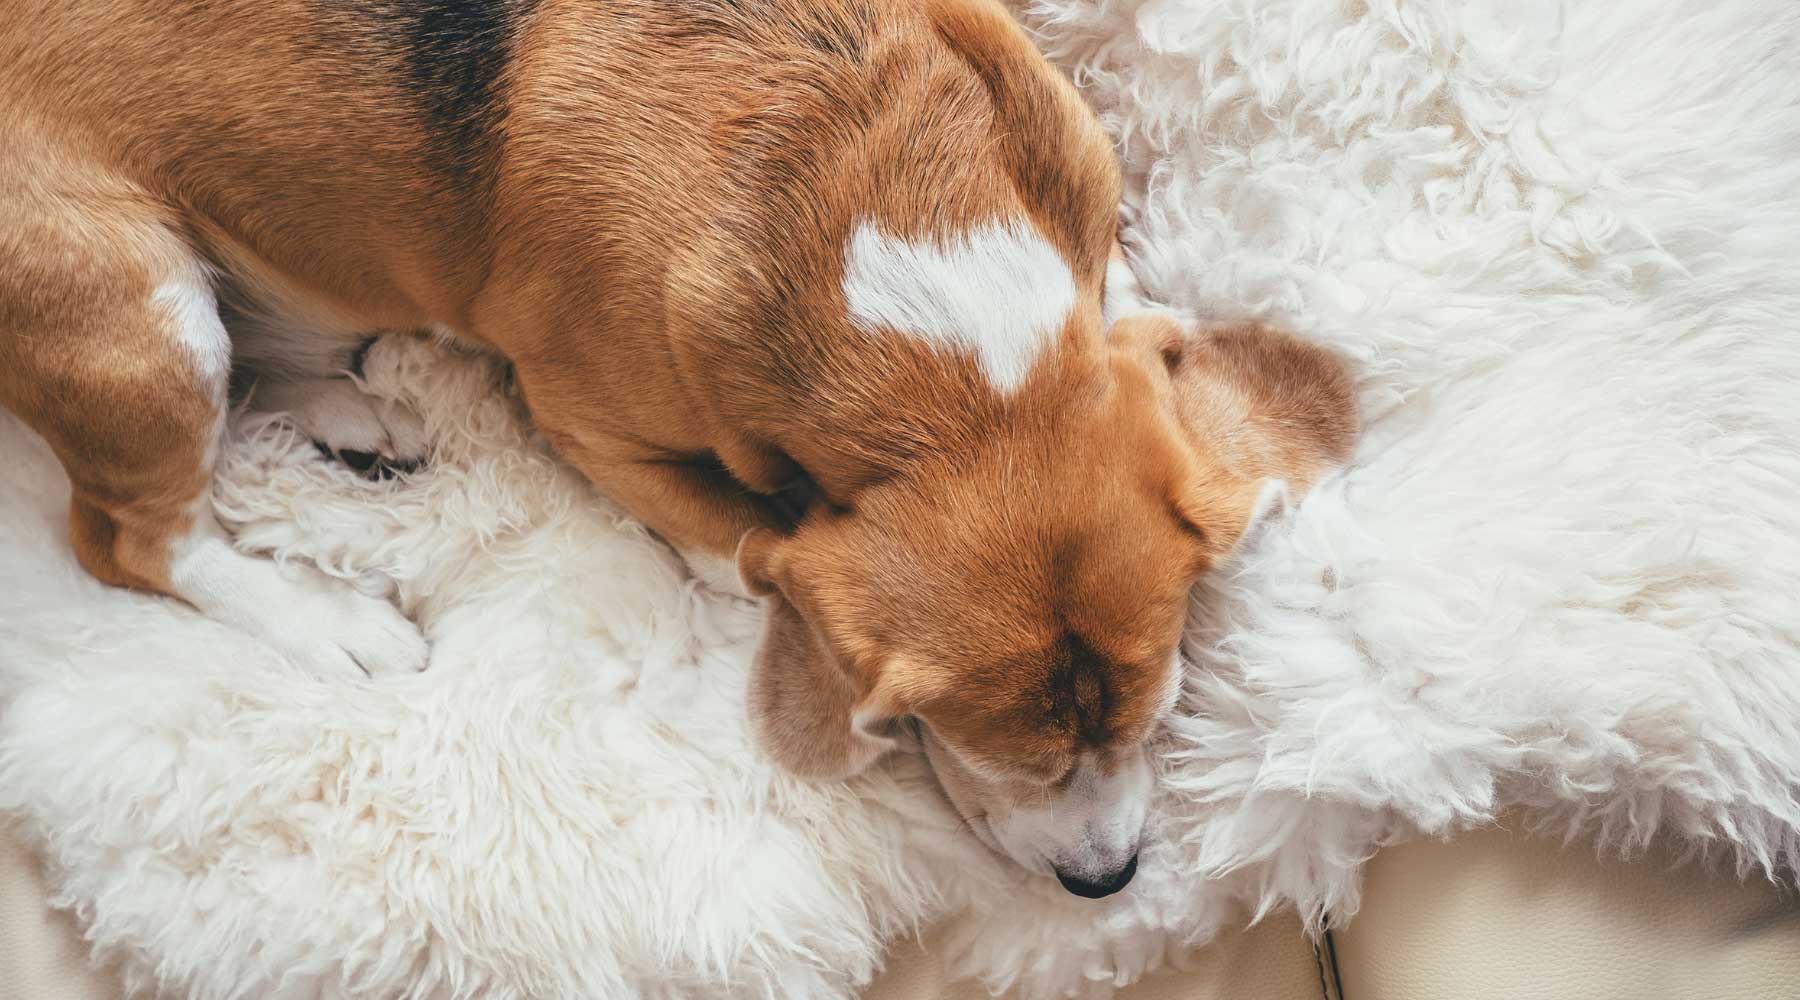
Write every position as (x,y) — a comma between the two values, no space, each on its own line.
(1022,599)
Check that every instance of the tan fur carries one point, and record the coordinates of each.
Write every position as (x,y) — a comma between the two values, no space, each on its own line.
(119,410)
(1154,495)
(655,238)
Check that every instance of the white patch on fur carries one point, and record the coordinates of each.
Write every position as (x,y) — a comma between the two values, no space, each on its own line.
(189,300)
(999,290)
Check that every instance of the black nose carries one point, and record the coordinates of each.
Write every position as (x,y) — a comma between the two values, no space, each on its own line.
(1104,886)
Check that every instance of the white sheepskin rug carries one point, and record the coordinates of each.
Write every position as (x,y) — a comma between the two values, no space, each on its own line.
(1559,243)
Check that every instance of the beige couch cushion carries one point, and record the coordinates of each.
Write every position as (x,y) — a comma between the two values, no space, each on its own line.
(42,956)
(1271,961)
(1494,915)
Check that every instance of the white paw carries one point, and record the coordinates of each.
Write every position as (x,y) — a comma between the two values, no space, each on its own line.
(333,629)
(367,433)
(320,624)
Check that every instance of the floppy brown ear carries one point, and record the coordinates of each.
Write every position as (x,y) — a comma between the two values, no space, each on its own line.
(808,710)
(1266,414)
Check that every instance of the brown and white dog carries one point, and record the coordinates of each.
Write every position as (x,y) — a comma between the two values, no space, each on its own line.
(739,252)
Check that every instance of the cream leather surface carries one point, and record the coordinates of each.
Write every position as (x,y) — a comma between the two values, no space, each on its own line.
(42,956)
(1497,916)
(1271,961)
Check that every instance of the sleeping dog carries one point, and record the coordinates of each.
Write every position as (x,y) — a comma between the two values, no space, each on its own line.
(856,252)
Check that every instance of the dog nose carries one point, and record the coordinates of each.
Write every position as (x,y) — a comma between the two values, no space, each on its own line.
(1095,888)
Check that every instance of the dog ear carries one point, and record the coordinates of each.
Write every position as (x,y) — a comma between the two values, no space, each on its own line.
(1265,414)
(1151,332)
(809,708)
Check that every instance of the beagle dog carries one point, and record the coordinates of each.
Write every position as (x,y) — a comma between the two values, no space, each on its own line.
(819,285)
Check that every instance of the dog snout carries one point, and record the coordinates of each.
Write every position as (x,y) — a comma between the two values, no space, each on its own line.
(1087,886)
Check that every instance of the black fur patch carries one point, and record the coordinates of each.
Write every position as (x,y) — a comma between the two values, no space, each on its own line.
(455,54)
(1079,692)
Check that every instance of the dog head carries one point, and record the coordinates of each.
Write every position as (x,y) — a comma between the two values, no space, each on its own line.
(1014,612)
(899,297)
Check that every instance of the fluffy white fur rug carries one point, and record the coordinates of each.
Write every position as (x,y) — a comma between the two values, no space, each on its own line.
(1562,246)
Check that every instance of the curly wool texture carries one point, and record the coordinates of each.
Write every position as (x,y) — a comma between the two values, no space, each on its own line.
(1559,245)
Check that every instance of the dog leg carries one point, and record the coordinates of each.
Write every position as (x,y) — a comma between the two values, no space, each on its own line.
(111,347)
(697,506)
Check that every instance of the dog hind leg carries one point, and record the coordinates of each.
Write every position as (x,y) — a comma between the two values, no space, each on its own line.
(111,348)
